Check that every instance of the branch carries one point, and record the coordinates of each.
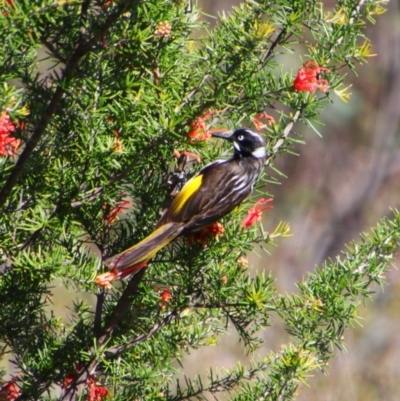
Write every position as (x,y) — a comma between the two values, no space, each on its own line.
(122,306)
(117,351)
(117,314)
(284,136)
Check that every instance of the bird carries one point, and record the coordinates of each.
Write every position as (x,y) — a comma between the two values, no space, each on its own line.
(216,190)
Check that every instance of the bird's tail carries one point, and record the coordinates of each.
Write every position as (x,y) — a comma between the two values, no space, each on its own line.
(142,252)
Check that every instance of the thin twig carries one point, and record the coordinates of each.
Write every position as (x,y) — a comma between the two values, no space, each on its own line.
(122,306)
(116,351)
(284,136)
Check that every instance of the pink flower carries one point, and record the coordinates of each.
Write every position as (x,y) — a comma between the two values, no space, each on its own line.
(8,144)
(254,214)
(307,78)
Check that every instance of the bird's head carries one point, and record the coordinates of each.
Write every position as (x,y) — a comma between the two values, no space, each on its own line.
(246,142)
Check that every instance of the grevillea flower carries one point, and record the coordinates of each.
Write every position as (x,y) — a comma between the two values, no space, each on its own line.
(198,128)
(214,230)
(307,78)
(71,376)
(109,217)
(165,297)
(188,154)
(259,124)
(8,144)
(10,391)
(96,392)
(254,214)
(104,280)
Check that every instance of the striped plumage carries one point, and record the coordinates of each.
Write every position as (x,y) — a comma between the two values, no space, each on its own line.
(215,191)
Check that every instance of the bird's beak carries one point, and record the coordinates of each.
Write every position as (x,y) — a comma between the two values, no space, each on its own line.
(223,135)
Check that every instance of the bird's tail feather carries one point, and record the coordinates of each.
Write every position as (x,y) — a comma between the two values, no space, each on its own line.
(145,249)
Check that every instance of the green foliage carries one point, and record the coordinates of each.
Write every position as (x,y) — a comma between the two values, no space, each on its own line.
(106,96)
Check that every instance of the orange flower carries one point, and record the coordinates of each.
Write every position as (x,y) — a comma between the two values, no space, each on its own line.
(71,377)
(165,297)
(110,217)
(255,212)
(96,392)
(198,128)
(8,144)
(307,78)
(213,230)
(104,280)
(216,229)
(259,124)
(10,391)
(188,154)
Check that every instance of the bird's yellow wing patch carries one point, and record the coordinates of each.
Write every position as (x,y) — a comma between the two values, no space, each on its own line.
(187,191)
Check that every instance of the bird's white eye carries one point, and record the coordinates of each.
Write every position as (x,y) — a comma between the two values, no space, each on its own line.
(240,137)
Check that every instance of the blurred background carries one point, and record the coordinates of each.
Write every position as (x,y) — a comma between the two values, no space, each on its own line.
(338,186)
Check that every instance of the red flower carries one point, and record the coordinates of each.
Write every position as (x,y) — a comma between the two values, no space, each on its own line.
(96,392)
(104,280)
(109,217)
(10,391)
(68,380)
(189,155)
(8,144)
(259,124)
(307,78)
(71,377)
(165,297)
(255,212)
(213,230)
(198,128)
